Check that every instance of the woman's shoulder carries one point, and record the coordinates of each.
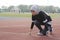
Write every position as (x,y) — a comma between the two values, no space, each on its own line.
(43,12)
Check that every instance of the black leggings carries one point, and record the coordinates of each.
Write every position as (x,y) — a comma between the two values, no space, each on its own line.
(49,27)
(38,25)
(43,31)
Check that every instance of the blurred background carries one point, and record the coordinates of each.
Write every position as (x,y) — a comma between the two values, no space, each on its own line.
(19,8)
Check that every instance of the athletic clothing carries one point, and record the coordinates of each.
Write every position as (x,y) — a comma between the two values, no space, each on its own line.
(42,19)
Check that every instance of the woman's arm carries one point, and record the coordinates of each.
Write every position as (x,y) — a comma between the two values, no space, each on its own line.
(32,25)
(43,16)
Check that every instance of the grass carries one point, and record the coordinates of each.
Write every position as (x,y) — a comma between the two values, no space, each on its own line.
(55,15)
(25,15)
(15,14)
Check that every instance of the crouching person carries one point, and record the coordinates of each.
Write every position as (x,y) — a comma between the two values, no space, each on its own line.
(40,18)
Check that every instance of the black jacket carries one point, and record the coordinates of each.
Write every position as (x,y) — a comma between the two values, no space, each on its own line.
(41,17)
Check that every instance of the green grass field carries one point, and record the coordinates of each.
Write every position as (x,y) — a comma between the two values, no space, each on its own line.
(55,15)
(15,14)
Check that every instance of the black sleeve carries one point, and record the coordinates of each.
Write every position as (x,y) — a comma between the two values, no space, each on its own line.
(49,18)
(33,18)
(32,25)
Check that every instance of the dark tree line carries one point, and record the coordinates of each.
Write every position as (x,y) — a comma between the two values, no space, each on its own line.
(26,8)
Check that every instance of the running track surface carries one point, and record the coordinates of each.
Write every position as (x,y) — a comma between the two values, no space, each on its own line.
(18,29)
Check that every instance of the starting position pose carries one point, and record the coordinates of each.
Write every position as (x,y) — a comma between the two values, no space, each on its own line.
(40,18)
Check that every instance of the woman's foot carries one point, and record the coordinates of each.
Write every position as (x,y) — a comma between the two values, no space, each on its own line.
(39,34)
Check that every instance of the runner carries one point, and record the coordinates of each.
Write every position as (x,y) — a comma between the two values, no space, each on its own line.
(40,18)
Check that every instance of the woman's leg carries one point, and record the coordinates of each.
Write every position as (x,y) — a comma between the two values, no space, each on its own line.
(45,29)
(38,25)
(48,27)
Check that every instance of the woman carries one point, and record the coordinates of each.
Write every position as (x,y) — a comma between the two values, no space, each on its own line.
(40,18)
